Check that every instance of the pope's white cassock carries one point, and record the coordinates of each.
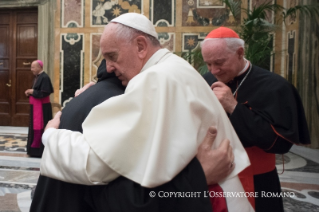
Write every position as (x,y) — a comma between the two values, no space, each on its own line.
(148,134)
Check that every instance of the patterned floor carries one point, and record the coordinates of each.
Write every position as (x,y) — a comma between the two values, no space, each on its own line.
(16,143)
(19,174)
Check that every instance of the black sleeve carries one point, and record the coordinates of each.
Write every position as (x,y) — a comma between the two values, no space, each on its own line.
(39,94)
(254,130)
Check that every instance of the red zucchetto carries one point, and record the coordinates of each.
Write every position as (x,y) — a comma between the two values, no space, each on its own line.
(222,32)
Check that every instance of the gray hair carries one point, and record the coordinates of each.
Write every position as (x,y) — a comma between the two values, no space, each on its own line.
(129,33)
(232,44)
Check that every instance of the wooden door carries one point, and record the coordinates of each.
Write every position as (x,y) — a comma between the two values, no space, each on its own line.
(18,48)
(5,52)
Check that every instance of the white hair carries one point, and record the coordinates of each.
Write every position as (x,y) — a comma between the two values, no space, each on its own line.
(233,44)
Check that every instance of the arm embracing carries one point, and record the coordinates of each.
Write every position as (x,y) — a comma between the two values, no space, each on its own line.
(68,157)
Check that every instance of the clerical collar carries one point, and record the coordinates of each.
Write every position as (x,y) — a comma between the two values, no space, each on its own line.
(245,68)
(241,74)
(40,73)
(244,75)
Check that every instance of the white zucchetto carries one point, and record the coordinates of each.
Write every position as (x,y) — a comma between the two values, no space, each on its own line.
(137,21)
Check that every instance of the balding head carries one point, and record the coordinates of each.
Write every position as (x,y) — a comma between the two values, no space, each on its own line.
(36,67)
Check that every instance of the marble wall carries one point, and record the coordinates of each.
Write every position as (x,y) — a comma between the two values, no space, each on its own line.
(308,72)
(72,13)
(71,77)
(181,26)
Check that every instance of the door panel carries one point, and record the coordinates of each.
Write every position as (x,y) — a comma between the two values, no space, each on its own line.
(5,90)
(5,109)
(4,17)
(24,81)
(27,40)
(18,48)
(4,37)
(26,52)
(26,17)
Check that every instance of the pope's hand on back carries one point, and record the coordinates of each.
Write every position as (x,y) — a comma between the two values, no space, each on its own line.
(55,122)
(216,163)
(81,90)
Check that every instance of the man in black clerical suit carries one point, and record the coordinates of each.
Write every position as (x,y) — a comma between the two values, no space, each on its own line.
(40,108)
(264,109)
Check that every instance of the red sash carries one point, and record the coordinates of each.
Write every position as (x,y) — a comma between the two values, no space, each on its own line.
(261,162)
(219,204)
(37,118)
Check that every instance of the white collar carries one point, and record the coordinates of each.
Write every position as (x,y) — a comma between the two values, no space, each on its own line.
(156,57)
(245,68)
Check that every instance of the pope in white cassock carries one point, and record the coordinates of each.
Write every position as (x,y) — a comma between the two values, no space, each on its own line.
(152,131)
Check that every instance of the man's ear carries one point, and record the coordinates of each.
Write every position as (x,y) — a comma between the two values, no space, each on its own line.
(142,46)
(240,52)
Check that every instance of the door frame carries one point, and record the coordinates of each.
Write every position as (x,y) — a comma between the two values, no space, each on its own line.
(46,29)
(46,23)
(19,73)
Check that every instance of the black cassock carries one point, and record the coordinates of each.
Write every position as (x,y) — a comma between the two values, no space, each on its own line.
(269,118)
(40,108)
(121,195)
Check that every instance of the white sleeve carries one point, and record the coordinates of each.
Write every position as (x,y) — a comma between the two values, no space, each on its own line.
(46,135)
(68,157)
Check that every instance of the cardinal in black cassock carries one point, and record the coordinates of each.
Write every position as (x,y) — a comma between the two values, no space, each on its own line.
(264,109)
(268,119)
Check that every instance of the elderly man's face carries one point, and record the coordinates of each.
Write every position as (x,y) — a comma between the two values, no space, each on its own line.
(35,68)
(222,63)
(120,55)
